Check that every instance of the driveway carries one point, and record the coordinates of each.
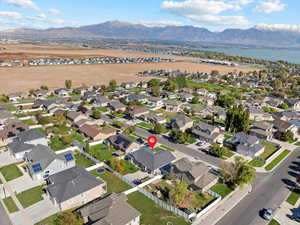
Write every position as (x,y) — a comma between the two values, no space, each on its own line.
(6,158)
(136,175)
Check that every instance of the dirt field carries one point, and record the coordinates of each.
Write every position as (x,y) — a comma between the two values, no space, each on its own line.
(25,78)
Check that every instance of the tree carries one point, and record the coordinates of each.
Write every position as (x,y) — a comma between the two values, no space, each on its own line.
(67,217)
(283,106)
(155,90)
(68,84)
(237,173)
(287,136)
(277,84)
(170,85)
(180,196)
(179,136)
(195,100)
(118,124)
(218,150)
(60,119)
(159,128)
(44,87)
(225,101)
(96,114)
(153,83)
(129,130)
(112,85)
(117,165)
(215,73)
(67,140)
(103,89)
(237,119)
(4,98)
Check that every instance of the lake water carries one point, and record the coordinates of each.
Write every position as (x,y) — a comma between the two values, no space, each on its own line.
(292,56)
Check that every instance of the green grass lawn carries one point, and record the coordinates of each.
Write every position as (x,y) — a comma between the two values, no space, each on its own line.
(145,125)
(293,197)
(78,137)
(153,214)
(167,148)
(31,196)
(29,122)
(256,163)
(10,205)
(100,153)
(202,200)
(277,160)
(114,183)
(228,154)
(222,189)
(273,222)
(11,172)
(57,144)
(83,161)
(270,149)
(129,167)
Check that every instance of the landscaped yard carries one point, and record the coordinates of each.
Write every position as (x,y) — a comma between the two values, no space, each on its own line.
(277,160)
(11,172)
(153,214)
(273,222)
(31,196)
(101,152)
(270,149)
(83,161)
(145,125)
(129,167)
(57,144)
(29,122)
(10,205)
(222,189)
(294,196)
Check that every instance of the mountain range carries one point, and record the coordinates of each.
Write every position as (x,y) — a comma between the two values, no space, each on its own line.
(122,30)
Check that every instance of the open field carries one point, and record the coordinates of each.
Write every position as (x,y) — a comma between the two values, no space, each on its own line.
(25,78)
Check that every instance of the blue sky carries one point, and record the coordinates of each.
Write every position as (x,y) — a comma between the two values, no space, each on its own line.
(212,14)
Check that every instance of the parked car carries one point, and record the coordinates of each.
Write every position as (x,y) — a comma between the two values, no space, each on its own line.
(200,143)
(267,214)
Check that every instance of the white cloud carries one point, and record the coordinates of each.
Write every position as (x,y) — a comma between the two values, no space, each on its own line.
(22,3)
(161,23)
(279,27)
(207,11)
(54,11)
(58,21)
(270,6)
(13,15)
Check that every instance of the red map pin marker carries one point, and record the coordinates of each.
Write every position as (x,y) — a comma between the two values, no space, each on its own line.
(152,140)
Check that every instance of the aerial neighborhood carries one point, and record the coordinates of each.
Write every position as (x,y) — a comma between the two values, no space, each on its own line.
(81,153)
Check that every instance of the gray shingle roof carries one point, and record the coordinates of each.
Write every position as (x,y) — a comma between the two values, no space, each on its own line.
(151,159)
(17,147)
(30,135)
(71,182)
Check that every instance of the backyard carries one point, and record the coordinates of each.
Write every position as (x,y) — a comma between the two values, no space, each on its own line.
(11,172)
(31,196)
(221,189)
(101,152)
(270,149)
(83,161)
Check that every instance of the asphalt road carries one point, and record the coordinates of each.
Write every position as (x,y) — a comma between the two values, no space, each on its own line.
(269,191)
(4,219)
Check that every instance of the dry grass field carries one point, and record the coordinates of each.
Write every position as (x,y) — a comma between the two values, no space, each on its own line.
(25,78)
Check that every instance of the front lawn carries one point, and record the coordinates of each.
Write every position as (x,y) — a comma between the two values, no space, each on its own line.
(222,189)
(164,147)
(153,214)
(31,196)
(114,183)
(129,167)
(10,205)
(145,125)
(270,149)
(273,222)
(277,160)
(11,172)
(29,122)
(83,161)
(256,163)
(293,197)
(101,152)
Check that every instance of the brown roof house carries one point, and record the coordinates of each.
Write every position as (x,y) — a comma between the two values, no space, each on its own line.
(137,111)
(181,122)
(74,117)
(74,187)
(196,174)
(110,210)
(262,130)
(172,106)
(207,132)
(284,126)
(10,131)
(94,133)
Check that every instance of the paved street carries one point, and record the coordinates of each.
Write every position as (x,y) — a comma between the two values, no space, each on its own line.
(4,219)
(269,191)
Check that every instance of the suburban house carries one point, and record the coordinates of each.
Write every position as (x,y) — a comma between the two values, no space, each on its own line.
(63,92)
(46,104)
(74,187)
(112,209)
(127,85)
(274,102)
(284,126)
(155,102)
(172,106)
(136,98)
(101,101)
(169,95)
(10,131)
(137,111)
(92,132)
(5,116)
(151,161)
(117,106)
(43,162)
(196,174)
(207,132)
(153,118)
(286,115)
(40,93)
(293,103)
(123,143)
(32,137)
(258,114)
(181,122)
(262,130)
(247,145)
(185,97)
(74,117)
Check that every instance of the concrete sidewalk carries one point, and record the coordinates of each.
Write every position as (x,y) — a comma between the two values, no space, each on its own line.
(221,209)
(282,214)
